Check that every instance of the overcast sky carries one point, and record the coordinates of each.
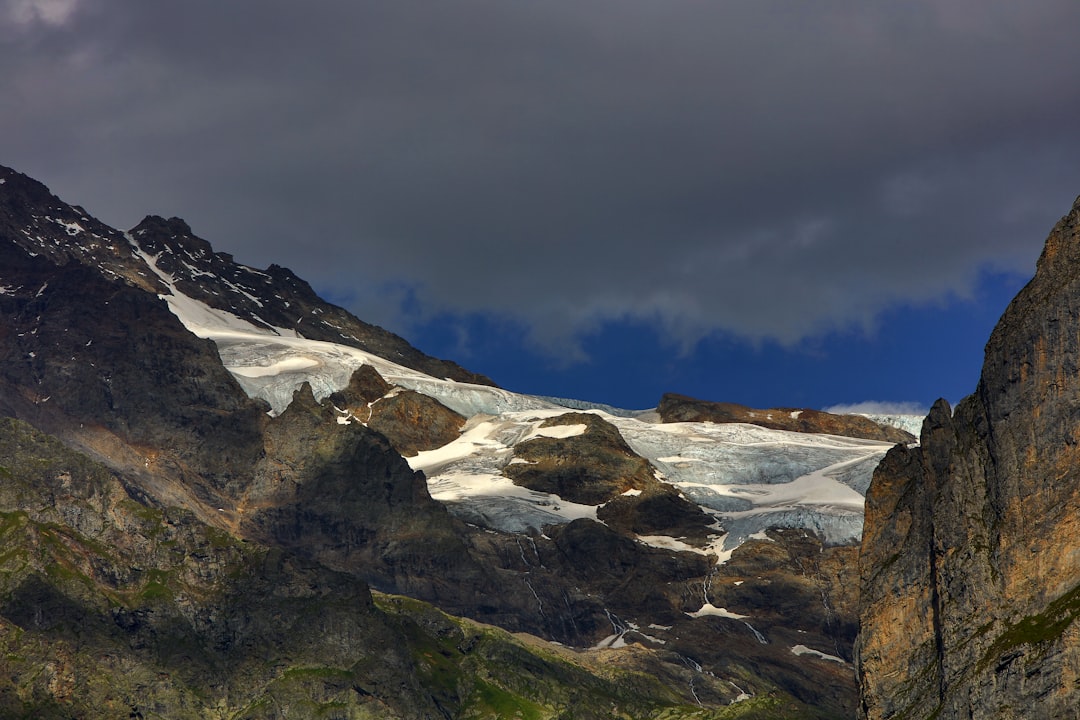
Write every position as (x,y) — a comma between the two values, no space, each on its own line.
(543,188)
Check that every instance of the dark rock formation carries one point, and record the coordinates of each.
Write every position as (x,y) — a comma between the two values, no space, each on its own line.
(100,362)
(341,494)
(41,225)
(597,467)
(589,468)
(971,553)
(412,422)
(680,408)
(796,594)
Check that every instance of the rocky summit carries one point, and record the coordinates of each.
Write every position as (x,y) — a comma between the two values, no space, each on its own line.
(221,496)
(970,569)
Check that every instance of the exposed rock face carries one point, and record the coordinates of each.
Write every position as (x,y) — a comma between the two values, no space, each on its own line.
(597,466)
(680,408)
(342,495)
(588,467)
(412,422)
(140,378)
(796,594)
(42,225)
(971,550)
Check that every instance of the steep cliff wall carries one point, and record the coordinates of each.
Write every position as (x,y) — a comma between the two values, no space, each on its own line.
(970,566)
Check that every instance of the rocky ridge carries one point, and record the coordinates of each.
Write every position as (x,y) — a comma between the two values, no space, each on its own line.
(970,559)
(680,408)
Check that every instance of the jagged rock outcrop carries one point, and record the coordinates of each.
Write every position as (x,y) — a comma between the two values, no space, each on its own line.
(595,466)
(590,463)
(971,551)
(41,225)
(680,408)
(411,421)
(342,495)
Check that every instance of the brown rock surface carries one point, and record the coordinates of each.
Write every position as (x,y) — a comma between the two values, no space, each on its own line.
(680,408)
(971,551)
(411,421)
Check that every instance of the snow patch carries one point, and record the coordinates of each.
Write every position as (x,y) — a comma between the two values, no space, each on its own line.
(664,542)
(466,474)
(611,642)
(557,431)
(708,609)
(803,650)
(72,228)
(290,364)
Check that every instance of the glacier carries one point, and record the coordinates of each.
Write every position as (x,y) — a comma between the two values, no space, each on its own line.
(748,477)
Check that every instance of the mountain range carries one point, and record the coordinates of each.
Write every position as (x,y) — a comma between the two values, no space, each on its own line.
(221,496)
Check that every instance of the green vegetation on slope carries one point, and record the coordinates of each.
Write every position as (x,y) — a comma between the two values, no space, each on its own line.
(110,608)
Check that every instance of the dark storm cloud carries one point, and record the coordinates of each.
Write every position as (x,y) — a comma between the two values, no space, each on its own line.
(772,169)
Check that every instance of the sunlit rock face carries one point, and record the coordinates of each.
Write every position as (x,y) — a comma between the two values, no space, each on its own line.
(970,568)
(680,408)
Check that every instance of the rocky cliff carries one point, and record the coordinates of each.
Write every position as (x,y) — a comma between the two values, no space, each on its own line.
(970,567)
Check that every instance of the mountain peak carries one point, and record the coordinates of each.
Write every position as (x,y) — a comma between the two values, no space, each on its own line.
(174,225)
(157,235)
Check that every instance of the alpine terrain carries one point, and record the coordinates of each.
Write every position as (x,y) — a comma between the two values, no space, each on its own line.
(971,552)
(222,497)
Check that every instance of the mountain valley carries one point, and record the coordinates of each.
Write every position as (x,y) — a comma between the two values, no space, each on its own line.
(221,496)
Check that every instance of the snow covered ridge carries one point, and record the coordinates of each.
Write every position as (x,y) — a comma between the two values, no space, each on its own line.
(748,477)
(908,423)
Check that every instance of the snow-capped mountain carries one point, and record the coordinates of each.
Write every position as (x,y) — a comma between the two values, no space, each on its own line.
(232,399)
(750,477)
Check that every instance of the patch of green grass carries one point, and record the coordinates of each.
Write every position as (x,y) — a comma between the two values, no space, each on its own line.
(158,587)
(488,700)
(317,673)
(218,538)
(1035,630)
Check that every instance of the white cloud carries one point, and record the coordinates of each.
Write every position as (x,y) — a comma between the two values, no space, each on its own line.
(878,407)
